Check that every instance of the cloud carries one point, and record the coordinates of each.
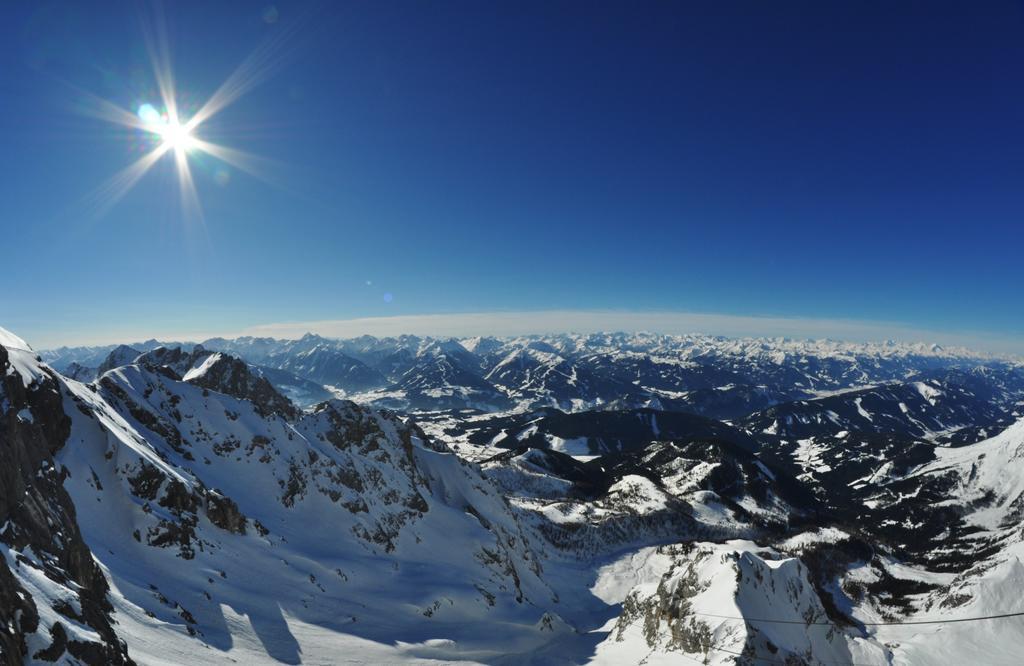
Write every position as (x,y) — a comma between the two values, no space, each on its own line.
(589,321)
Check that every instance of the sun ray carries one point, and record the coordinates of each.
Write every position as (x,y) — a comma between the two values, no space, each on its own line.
(157,45)
(254,165)
(190,205)
(118,185)
(262,63)
(101,109)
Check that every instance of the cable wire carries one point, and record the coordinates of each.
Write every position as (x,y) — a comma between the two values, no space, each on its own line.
(866,624)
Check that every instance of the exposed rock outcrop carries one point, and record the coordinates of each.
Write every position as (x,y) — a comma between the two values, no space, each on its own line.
(45,560)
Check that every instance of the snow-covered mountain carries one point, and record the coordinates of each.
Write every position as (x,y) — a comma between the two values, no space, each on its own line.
(715,377)
(950,408)
(554,500)
(205,496)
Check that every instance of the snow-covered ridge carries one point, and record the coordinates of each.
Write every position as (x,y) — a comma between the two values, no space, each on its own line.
(11,341)
(989,474)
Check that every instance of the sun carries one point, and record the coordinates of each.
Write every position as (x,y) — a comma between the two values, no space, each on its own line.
(174,134)
(177,136)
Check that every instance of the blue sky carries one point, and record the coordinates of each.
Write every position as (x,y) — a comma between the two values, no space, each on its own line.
(818,162)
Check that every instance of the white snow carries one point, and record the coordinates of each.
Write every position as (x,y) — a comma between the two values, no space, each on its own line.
(11,341)
(822,535)
(202,368)
(860,409)
(928,392)
(576,447)
(23,360)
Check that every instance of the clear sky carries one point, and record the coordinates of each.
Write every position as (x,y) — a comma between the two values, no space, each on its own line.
(816,161)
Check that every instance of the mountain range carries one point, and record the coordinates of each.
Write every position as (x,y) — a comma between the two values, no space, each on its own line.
(610,498)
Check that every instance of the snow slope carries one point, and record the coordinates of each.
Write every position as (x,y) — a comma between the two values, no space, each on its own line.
(208,505)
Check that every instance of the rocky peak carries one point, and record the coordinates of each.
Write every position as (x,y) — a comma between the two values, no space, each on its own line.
(229,375)
(220,372)
(121,355)
(173,358)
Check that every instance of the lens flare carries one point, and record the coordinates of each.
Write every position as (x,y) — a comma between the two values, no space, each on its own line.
(180,136)
(149,116)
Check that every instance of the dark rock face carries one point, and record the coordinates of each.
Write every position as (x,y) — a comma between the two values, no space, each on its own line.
(182,504)
(358,431)
(670,604)
(37,514)
(224,513)
(175,359)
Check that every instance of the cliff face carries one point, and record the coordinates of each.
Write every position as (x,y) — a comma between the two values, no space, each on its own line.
(52,593)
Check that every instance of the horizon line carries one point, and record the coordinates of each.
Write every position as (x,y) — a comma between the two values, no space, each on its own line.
(548,322)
